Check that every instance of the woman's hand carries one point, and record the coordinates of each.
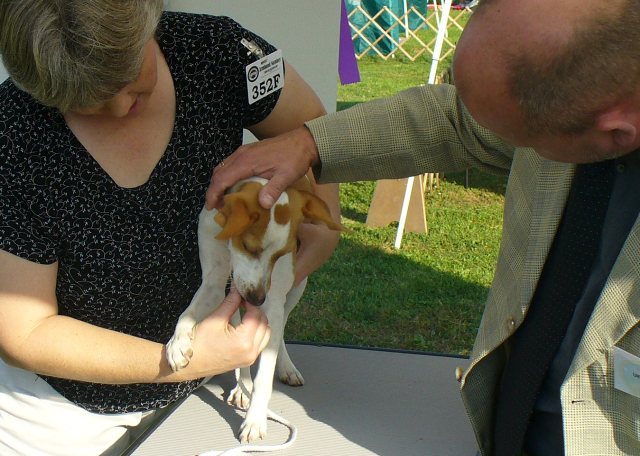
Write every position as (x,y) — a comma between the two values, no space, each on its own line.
(219,346)
(317,243)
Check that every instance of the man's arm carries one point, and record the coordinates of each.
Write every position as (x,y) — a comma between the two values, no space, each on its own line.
(424,129)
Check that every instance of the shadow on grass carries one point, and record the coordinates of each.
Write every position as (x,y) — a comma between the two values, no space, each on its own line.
(355,198)
(354,214)
(477,179)
(368,296)
(342,105)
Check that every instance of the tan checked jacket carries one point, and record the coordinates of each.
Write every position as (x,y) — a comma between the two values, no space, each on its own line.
(426,129)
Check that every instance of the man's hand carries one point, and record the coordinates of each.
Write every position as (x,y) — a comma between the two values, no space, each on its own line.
(282,159)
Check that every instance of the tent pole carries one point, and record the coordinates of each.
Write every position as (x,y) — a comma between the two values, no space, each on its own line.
(406,20)
(442,31)
(437,50)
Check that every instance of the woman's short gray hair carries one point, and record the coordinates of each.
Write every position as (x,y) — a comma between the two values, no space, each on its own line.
(75,53)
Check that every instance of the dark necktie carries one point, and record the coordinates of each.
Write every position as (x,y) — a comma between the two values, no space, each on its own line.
(560,287)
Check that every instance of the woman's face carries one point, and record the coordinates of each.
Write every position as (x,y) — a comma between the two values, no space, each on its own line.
(132,98)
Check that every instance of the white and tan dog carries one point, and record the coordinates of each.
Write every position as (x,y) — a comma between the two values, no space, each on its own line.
(258,246)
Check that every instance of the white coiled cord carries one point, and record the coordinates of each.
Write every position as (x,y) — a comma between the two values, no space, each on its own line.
(251,448)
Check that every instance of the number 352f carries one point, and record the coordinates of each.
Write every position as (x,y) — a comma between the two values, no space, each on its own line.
(266,86)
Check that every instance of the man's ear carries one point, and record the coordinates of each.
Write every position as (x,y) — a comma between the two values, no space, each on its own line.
(619,130)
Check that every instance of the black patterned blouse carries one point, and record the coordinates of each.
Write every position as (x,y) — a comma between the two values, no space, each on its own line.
(128,257)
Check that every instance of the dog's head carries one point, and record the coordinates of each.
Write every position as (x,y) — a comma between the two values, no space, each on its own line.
(258,237)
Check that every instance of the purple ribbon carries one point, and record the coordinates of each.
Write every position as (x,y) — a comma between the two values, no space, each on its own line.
(347,63)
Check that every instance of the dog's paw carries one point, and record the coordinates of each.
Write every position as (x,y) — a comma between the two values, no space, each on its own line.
(179,350)
(238,398)
(289,375)
(252,430)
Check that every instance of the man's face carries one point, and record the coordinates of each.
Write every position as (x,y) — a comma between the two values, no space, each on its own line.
(480,68)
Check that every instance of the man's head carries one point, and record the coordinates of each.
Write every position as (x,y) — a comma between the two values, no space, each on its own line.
(563,77)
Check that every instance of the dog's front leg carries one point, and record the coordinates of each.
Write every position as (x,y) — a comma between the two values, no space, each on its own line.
(254,425)
(240,396)
(286,370)
(214,261)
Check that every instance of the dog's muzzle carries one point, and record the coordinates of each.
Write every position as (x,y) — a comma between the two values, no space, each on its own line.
(255,297)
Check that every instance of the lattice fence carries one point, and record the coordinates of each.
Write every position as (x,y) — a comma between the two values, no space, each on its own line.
(412,43)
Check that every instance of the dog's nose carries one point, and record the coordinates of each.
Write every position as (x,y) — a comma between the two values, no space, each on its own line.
(255,297)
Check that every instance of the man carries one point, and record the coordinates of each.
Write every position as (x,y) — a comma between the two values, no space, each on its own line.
(550,92)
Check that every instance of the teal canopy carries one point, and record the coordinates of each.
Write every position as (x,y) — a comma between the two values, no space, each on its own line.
(385,21)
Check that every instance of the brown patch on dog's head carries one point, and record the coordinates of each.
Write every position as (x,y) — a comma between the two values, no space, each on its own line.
(242,211)
(282,214)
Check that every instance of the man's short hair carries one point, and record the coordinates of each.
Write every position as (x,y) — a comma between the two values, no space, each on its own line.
(600,64)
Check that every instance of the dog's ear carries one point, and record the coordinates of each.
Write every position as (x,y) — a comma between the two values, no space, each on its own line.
(234,217)
(316,210)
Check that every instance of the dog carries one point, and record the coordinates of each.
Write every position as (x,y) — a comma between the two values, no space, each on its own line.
(257,248)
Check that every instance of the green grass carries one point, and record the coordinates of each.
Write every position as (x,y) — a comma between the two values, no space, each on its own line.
(382,79)
(429,295)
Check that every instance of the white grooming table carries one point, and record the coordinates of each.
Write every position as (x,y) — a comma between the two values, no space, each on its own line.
(355,402)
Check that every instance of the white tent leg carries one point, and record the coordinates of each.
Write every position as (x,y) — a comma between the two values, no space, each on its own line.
(437,50)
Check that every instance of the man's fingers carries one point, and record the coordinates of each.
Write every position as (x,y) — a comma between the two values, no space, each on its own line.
(282,159)
(272,190)
(221,180)
(226,173)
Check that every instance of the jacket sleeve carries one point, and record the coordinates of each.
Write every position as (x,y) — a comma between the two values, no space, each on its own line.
(422,129)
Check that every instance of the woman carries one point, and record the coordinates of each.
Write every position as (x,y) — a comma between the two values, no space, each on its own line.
(112,120)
